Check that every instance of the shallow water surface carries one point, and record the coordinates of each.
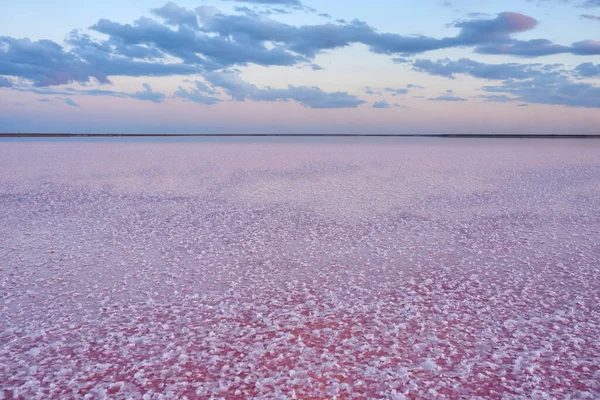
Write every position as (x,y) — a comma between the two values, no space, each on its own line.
(380,268)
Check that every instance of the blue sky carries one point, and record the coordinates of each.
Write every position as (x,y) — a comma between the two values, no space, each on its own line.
(300,66)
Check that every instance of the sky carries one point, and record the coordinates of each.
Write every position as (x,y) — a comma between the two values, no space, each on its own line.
(300,66)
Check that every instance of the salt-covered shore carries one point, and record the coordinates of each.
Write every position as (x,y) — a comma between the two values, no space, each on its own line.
(387,269)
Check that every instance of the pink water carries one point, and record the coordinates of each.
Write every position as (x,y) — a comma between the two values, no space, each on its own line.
(435,269)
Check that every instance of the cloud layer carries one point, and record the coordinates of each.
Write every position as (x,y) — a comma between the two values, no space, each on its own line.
(312,97)
(147,94)
(188,42)
(210,46)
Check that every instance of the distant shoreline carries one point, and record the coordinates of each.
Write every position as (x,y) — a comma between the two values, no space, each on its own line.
(295,135)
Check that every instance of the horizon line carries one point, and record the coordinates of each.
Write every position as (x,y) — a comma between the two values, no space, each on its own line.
(435,135)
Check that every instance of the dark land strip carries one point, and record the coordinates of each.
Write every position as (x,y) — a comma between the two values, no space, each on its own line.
(440,135)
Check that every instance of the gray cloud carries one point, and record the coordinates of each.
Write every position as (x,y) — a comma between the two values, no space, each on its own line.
(5,82)
(447,98)
(71,103)
(588,70)
(204,42)
(43,90)
(591,3)
(148,95)
(45,63)
(477,14)
(312,97)
(372,91)
(540,47)
(525,83)
(258,12)
(224,41)
(500,98)
(192,42)
(576,3)
(592,17)
(199,48)
(486,34)
(146,62)
(396,91)
(381,104)
(449,69)
(494,30)
(550,89)
(202,94)
(290,3)
(177,16)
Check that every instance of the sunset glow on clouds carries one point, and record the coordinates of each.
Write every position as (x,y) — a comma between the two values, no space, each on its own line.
(291,66)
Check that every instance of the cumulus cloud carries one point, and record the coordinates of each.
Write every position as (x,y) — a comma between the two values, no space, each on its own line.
(45,63)
(207,43)
(192,42)
(487,35)
(498,29)
(200,48)
(177,16)
(71,103)
(5,82)
(381,104)
(588,70)
(223,41)
(117,57)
